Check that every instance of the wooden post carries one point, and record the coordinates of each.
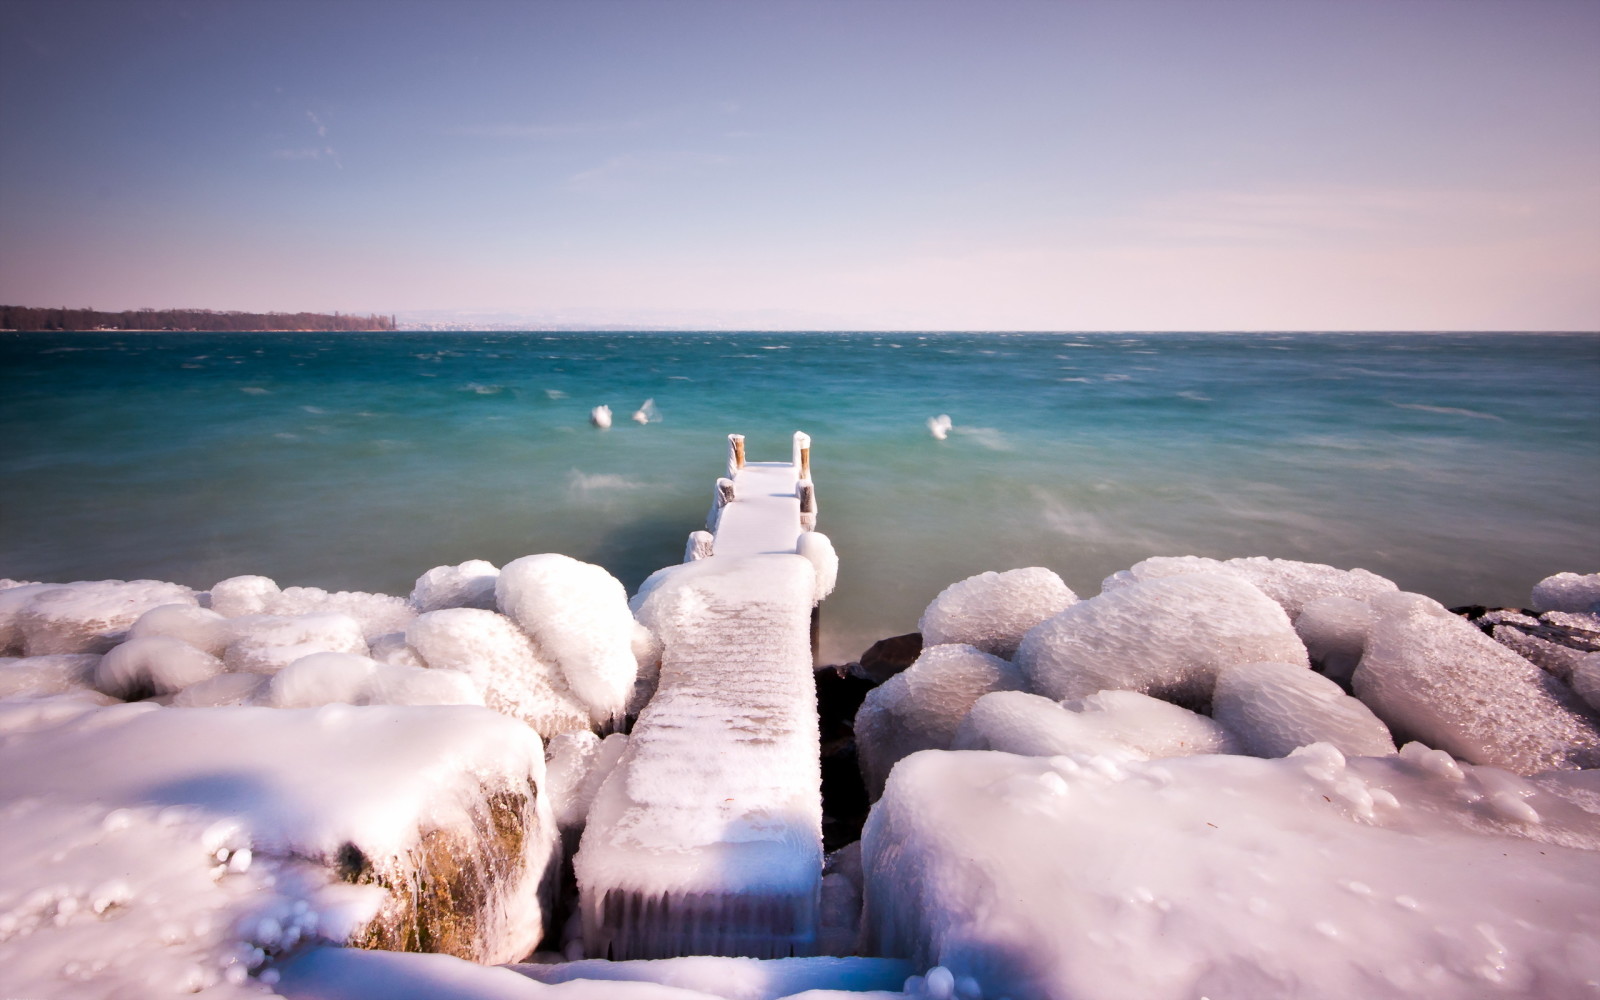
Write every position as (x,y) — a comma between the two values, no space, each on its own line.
(807,494)
(802,454)
(735,454)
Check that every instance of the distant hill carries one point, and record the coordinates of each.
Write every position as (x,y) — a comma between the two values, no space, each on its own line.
(29,318)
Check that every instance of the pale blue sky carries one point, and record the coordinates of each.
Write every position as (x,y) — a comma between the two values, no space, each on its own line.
(1304,164)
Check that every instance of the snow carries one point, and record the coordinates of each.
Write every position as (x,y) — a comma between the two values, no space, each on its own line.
(265,644)
(817,547)
(1334,630)
(1275,708)
(346,678)
(765,517)
(1119,724)
(578,615)
(736,978)
(993,611)
(1291,583)
(41,676)
(921,707)
(576,764)
(1165,636)
(1307,876)
(468,585)
(504,664)
(223,690)
(153,665)
(1567,592)
(83,617)
(1432,676)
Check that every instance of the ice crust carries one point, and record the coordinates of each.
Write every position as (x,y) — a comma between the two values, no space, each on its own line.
(1571,592)
(1276,708)
(153,665)
(1291,583)
(1165,636)
(42,676)
(736,978)
(1586,679)
(1123,725)
(504,663)
(576,764)
(817,547)
(350,679)
(921,707)
(201,628)
(468,585)
(1334,630)
(265,644)
(993,611)
(578,615)
(1308,876)
(83,617)
(1432,676)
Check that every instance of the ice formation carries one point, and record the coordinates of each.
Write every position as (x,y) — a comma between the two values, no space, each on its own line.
(1119,724)
(1567,592)
(238,596)
(201,628)
(1292,584)
(265,644)
(468,585)
(922,707)
(647,413)
(1165,636)
(576,764)
(84,617)
(43,676)
(223,690)
(152,665)
(737,978)
(706,838)
(600,416)
(578,615)
(1308,876)
(1334,630)
(993,611)
(1434,677)
(505,665)
(1586,679)
(1276,708)
(818,548)
(939,426)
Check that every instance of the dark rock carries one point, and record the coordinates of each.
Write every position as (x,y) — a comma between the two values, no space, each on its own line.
(888,657)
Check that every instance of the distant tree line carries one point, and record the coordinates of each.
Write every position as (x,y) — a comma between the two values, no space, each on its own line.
(29,318)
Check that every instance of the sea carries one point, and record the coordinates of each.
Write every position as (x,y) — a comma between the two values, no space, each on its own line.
(1462,466)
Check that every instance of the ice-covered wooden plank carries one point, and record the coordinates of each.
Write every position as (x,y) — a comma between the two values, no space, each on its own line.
(764,517)
(706,839)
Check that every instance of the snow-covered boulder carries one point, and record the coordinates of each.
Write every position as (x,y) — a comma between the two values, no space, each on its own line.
(44,676)
(576,763)
(1571,592)
(1276,708)
(265,644)
(1165,637)
(1586,680)
(201,628)
(1334,630)
(504,664)
(1227,876)
(1121,724)
(223,690)
(578,615)
(151,665)
(993,611)
(921,708)
(238,596)
(1434,677)
(1291,583)
(468,585)
(84,617)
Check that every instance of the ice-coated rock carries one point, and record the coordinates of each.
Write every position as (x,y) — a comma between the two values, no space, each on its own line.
(1291,583)
(1567,592)
(201,628)
(242,595)
(1434,677)
(993,611)
(575,765)
(43,676)
(1334,630)
(393,649)
(503,662)
(921,708)
(1276,708)
(578,615)
(378,614)
(1120,724)
(84,617)
(13,601)
(265,644)
(468,585)
(321,679)
(1165,637)
(150,665)
(1586,679)
(223,690)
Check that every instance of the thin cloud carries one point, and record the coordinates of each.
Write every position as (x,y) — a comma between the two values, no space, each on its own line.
(631,171)
(322,130)
(546,132)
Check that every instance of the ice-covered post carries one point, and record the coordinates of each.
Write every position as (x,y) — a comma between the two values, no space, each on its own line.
(735,454)
(802,455)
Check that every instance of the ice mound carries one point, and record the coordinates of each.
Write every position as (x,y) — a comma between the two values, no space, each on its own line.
(818,548)
(1120,724)
(393,649)
(321,679)
(1165,636)
(469,585)
(84,617)
(238,596)
(265,644)
(993,611)
(378,614)
(201,628)
(43,676)
(438,806)
(1334,630)
(1586,679)
(1434,677)
(223,690)
(1291,583)
(151,665)
(1229,876)
(576,764)
(578,614)
(503,663)
(1276,708)
(922,707)
(1567,592)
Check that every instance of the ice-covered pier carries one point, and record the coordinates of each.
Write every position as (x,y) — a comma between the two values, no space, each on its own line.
(706,838)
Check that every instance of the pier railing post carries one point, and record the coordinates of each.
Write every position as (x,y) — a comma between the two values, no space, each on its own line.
(802,455)
(735,454)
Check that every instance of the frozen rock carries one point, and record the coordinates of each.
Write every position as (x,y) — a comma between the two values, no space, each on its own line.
(378,614)
(647,655)
(242,595)
(1120,724)
(1434,677)
(1567,592)
(504,664)
(993,611)
(43,676)
(578,615)
(1276,708)
(576,764)
(393,684)
(1586,679)
(14,600)
(1552,658)
(1291,583)
(152,665)
(921,708)
(321,679)
(201,628)
(1334,630)
(86,617)
(393,649)
(223,690)
(1227,876)
(1166,637)
(265,644)
(468,585)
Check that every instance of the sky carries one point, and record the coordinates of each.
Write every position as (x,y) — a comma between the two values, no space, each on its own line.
(879,164)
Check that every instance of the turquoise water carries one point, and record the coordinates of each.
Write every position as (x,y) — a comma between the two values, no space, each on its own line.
(1463,466)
